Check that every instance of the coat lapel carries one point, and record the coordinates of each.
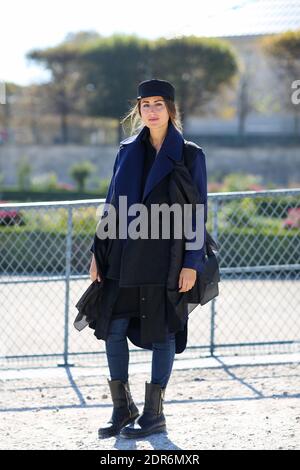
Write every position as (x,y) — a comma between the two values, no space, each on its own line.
(170,152)
(131,163)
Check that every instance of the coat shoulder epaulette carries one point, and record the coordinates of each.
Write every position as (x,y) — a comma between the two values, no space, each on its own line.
(191,151)
(192,145)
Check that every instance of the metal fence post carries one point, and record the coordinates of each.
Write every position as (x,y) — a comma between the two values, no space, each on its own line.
(67,281)
(212,304)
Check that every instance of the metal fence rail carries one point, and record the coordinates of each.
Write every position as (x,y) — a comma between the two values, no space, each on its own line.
(45,260)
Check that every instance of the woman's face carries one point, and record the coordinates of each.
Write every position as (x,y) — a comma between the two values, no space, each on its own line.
(154,112)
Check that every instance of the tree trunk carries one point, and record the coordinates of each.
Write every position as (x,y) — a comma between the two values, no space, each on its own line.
(64,128)
(243,105)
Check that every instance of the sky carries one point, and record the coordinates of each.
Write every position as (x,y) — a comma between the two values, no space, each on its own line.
(36,24)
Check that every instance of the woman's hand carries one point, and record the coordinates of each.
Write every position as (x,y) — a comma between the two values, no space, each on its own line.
(187,279)
(93,270)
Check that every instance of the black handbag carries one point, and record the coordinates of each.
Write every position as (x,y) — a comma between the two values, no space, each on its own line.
(206,286)
(88,305)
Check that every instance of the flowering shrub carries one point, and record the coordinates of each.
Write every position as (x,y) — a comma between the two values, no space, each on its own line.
(66,186)
(293,218)
(10,216)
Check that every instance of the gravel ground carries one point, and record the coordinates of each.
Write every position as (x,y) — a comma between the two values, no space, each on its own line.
(221,407)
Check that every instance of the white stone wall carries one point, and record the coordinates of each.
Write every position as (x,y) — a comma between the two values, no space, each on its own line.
(277,164)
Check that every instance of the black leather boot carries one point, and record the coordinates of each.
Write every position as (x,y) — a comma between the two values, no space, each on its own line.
(152,420)
(124,411)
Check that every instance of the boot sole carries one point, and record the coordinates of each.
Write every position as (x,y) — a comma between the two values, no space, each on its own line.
(111,433)
(145,433)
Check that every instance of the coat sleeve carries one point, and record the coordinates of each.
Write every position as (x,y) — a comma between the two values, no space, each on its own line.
(195,258)
(109,192)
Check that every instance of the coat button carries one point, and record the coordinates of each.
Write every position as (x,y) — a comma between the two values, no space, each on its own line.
(144,316)
(143,298)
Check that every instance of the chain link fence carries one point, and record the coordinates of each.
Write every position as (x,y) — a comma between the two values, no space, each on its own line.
(44,267)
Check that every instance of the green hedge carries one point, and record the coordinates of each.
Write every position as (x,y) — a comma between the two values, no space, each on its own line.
(248,247)
(44,252)
(275,207)
(247,237)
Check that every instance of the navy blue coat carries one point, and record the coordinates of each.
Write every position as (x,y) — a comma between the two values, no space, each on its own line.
(151,263)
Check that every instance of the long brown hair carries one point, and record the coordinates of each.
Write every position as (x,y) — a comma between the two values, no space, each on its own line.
(135,120)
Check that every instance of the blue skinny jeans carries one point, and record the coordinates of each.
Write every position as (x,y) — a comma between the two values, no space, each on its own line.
(118,354)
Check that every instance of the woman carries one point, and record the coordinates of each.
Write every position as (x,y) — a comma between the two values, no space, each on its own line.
(137,276)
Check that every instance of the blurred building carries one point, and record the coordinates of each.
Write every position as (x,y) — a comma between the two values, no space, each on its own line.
(261,92)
